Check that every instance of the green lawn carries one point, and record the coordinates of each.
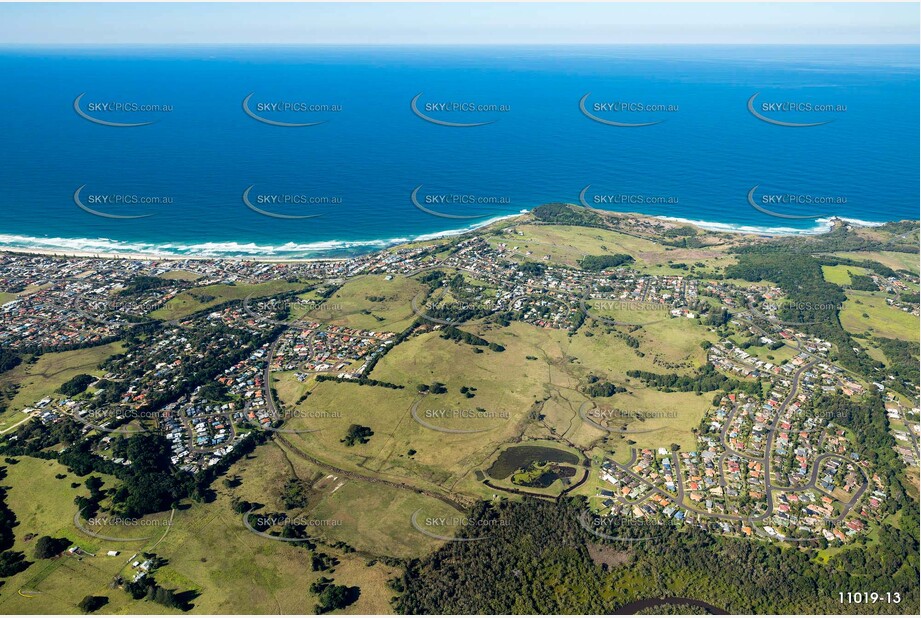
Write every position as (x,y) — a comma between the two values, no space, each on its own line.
(45,376)
(868,311)
(197,299)
(209,552)
(371,303)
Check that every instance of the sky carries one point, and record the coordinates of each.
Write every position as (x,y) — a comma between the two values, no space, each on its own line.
(458,24)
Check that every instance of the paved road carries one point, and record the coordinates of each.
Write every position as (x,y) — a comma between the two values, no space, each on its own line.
(678,496)
(273,411)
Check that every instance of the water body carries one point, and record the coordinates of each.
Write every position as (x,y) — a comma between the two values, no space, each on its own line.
(353,174)
(516,457)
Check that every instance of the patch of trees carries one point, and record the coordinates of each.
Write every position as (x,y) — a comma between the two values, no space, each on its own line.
(432,277)
(91,603)
(567,214)
(538,562)
(357,434)
(38,350)
(8,360)
(89,506)
(455,334)
(362,380)
(322,562)
(213,391)
(76,384)
(456,312)
(7,517)
(627,338)
(838,239)
(151,483)
(686,242)
(601,388)
(863,282)
(535,269)
(597,263)
(148,589)
(813,303)
(684,230)
(716,317)
(295,494)
(11,562)
(866,417)
(705,380)
(49,547)
(903,362)
(435,388)
(142,283)
(332,596)
(33,438)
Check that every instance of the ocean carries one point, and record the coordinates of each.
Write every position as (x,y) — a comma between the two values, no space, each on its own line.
(403,143)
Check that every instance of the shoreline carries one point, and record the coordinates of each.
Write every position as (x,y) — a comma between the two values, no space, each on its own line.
(824,225)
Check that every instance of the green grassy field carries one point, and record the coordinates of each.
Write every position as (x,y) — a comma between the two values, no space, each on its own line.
(370,302)
(181,275)
(6,297)
(201,298)
(881,319)
(208,551)
(568,244)
(893,259)
(840,274)
(46,375)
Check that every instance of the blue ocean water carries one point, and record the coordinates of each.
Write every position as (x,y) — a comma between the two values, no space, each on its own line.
(354,173)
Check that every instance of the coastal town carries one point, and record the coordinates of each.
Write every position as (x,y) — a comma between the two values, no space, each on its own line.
(769,466)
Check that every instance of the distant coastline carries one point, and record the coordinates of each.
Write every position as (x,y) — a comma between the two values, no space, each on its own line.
(334,249)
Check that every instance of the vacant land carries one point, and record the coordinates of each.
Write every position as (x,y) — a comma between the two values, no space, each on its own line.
(569,244)
(841,274)
(372,303)
(893,259)
(42,378)
(868,311)
(209,552)
(181,275)
(198,299)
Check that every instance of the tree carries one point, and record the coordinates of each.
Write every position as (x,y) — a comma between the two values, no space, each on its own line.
(47,547)
(90,603)
(76,384)
(357,434)
(12,562)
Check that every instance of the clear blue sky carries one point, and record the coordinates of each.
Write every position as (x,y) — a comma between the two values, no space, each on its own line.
(553,23)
